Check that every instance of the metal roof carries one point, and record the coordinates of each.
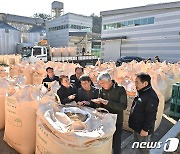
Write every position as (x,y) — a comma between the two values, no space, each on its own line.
(21,19)
(142,8)
(37,29)
(4,25)
(26,44)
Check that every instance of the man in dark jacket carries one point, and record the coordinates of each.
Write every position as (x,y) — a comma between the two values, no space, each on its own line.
(67,93)
(50,76)
(74,79)
(87,92)
(113,98)
(157,59)
(143,111)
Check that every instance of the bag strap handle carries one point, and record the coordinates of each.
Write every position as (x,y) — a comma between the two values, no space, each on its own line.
(100,109)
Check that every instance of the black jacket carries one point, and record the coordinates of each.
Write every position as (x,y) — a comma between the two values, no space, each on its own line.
(143,110)
(47,79)
(75,81)
(117,100)
(84,95)
(64,92)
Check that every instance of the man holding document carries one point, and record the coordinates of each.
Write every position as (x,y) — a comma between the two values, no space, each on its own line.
(113,98)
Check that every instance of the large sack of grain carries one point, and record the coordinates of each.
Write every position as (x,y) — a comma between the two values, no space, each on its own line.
(160,110)
(159,83)
(39,73)
(56,52)
(5,59)
(3,89)
(14,70)
(170,80)
(126,114)
(4,72)
(17,59)
(72,52)
(65,52)
(156,86)
(176,70)
(1,59)
(11,60)
(20,123)
(69,68)
(28,72)
(58,133)
(50,64)
(38,78)
(19,80)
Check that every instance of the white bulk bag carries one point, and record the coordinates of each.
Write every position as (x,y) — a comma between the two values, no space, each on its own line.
(20,123)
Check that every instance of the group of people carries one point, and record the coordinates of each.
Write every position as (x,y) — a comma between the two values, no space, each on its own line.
(112,97)
(149,60)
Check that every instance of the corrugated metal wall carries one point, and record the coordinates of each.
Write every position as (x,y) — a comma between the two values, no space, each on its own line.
(34,37)
(8,41)
(161,38)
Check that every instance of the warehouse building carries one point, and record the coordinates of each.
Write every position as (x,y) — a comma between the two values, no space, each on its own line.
(144,31)
(16,29)
(70,30)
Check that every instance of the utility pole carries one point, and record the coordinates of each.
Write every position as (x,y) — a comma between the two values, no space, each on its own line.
(120,48)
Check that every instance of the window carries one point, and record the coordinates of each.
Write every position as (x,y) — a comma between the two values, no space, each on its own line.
(119,25)
(112,26)
(44,51)
(130,22)
(36,51)
(71,26)
(143,21)
(78,27)
(125,23)
(74,26)
(137,22)
(150,20)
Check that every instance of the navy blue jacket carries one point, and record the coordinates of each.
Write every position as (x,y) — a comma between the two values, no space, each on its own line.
(84,95)
(143,110)
(47,79)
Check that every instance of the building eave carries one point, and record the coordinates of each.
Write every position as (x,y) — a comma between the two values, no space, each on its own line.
(141,8)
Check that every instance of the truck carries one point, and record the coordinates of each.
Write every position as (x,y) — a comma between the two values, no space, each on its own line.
(46,53)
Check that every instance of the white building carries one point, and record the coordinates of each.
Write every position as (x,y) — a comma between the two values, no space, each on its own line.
(144,31)
(69,30)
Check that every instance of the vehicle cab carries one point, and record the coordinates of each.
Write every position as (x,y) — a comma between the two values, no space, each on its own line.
(40,52)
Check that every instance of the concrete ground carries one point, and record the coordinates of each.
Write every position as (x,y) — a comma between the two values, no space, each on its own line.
(4,147)
(127,137)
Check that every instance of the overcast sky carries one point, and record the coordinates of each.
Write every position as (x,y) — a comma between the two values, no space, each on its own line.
(85,7)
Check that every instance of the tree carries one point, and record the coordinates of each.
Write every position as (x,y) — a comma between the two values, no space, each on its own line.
(42,16)
(93,15)
(97,21)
